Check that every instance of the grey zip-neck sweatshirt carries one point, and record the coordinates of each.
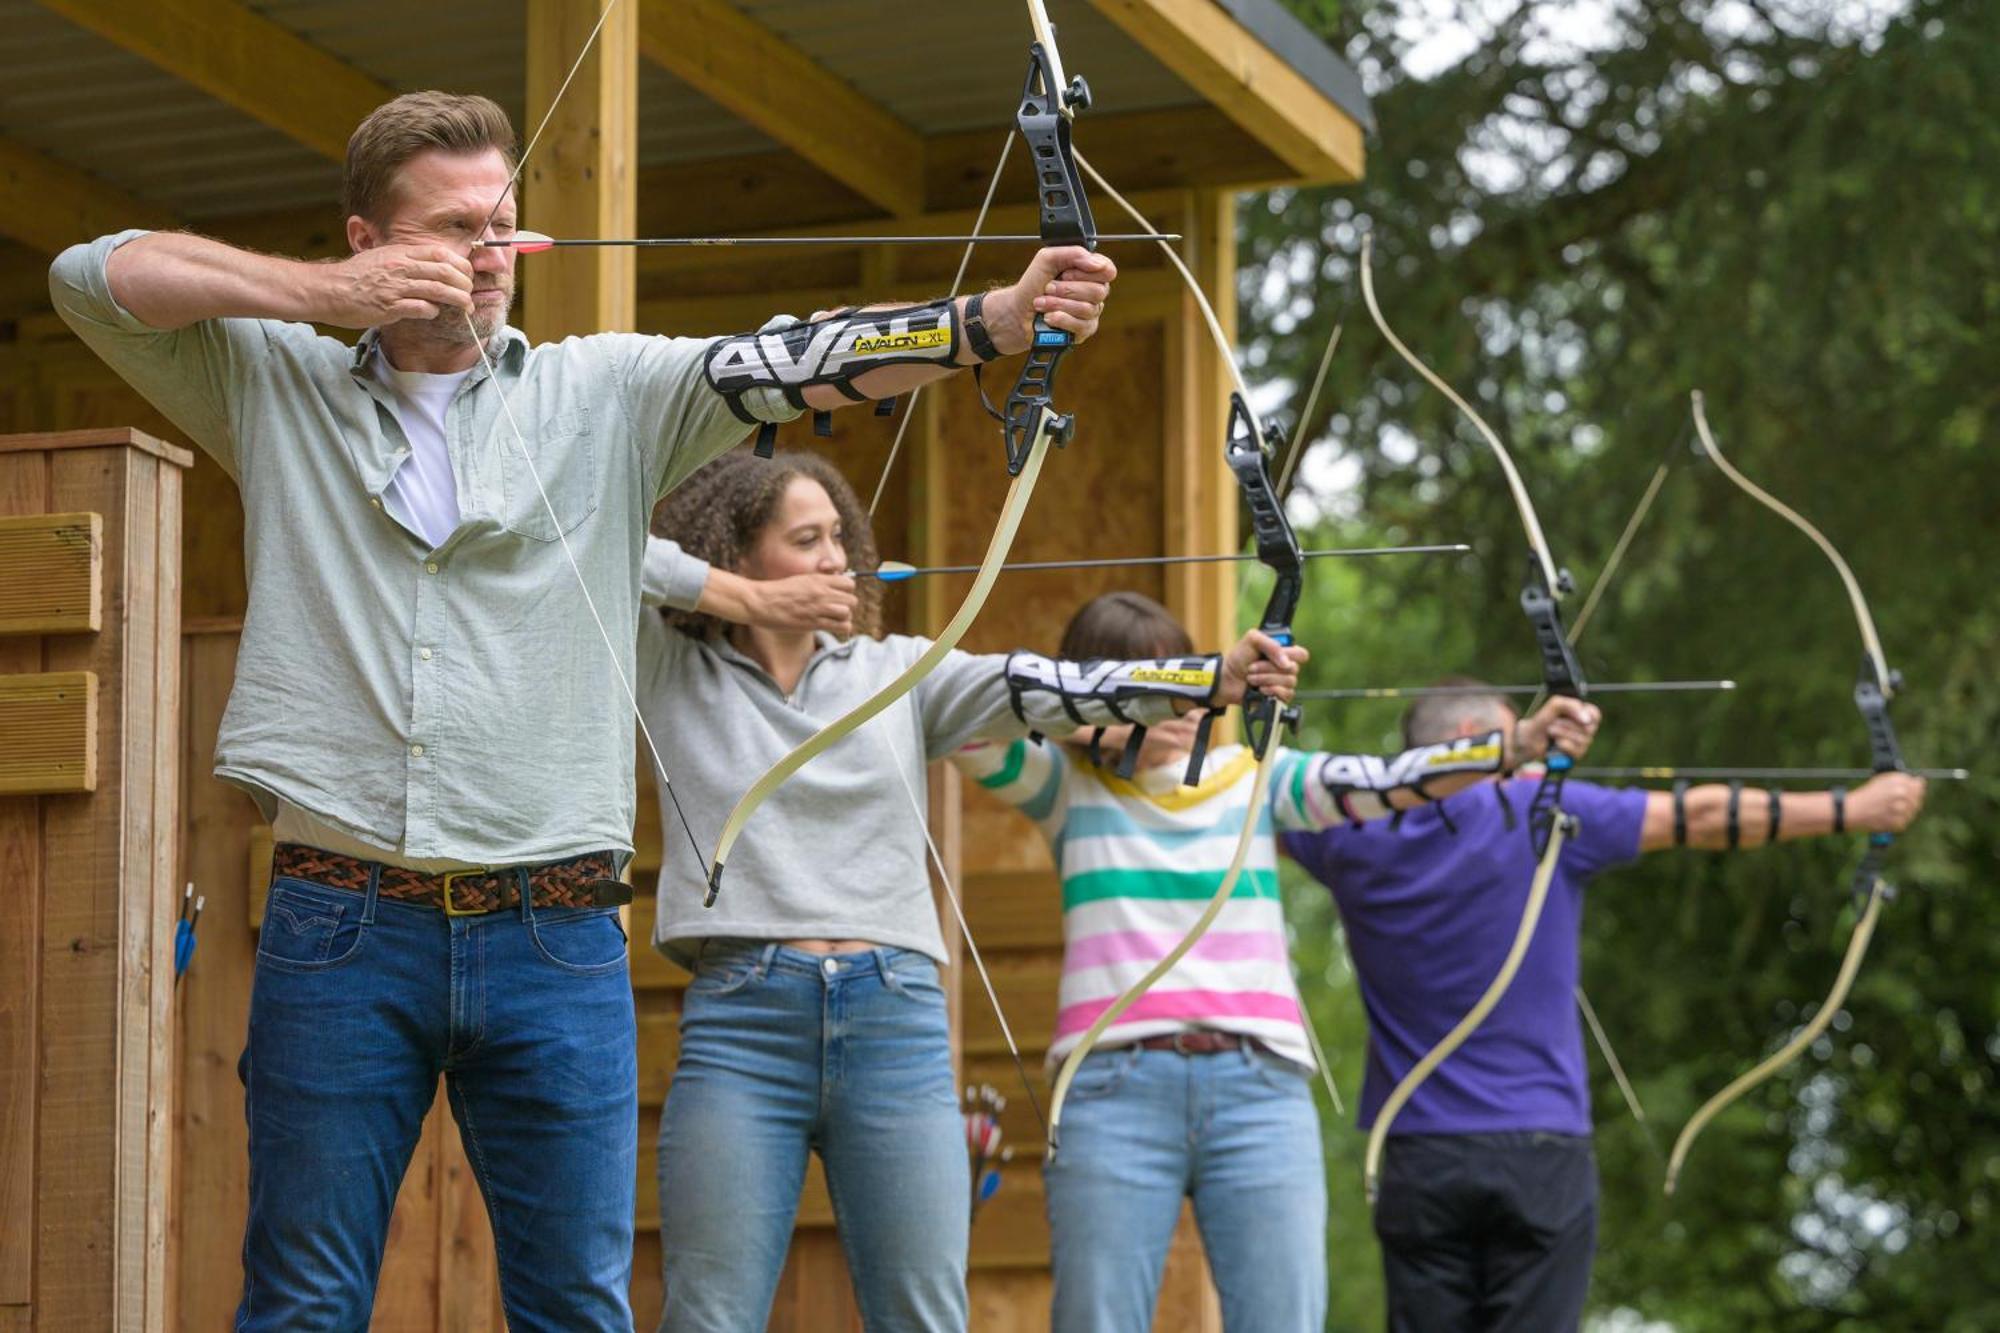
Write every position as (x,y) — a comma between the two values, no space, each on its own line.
(838,851)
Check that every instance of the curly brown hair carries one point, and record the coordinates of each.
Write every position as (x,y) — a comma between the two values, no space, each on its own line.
(718,513)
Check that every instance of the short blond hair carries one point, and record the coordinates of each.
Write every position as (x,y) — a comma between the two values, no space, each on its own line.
(398,130)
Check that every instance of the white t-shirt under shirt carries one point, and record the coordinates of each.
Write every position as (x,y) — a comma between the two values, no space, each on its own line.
(423,495)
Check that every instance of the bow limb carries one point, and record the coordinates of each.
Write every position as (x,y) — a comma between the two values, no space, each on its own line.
(1875,687)
(1864,619)
(1029,421)
(1850,964)
(1018,493)
(1524,934)
(1555,578)
(1541,598)
(1546,583)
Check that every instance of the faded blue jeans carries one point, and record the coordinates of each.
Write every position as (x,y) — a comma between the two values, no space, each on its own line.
(357,1007)
(1235,1131)
(784,1053)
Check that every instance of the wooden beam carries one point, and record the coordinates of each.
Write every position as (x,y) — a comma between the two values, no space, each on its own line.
(1228,66)
(581,180)
(50,721)
(52,574)
(51,207)
(239,57)
(739,64)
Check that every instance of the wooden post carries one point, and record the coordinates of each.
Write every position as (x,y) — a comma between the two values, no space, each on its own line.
(87,918)
(580,180)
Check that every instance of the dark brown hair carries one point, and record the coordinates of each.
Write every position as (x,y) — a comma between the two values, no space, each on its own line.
(1124,625)
(401,128)
(718,513)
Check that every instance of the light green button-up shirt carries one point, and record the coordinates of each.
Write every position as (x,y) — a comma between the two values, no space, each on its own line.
(455,702)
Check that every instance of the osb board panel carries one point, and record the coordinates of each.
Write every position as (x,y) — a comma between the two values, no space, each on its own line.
(48,733)
(51,574)
(1093,500)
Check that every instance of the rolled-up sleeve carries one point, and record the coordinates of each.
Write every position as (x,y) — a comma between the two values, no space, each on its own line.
(673,409)
(670,576)
(186,373)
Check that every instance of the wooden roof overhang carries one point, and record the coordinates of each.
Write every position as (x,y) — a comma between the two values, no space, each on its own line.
(751,115)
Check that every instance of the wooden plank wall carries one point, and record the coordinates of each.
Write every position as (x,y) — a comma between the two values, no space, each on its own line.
(86,922)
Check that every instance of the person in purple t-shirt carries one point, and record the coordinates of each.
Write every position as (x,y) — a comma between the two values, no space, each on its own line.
(1488,1208)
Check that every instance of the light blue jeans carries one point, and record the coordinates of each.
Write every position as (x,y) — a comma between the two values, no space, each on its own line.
(784,1053)
(357,1007)
(1236,1132)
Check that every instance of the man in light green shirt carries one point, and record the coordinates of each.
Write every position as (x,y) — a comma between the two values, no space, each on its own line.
(443,534)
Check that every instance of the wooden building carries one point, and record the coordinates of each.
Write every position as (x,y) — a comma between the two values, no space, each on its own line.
(122,1166)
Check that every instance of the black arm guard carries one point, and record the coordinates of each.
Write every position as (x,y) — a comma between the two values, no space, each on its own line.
(1091,693)
(832,351)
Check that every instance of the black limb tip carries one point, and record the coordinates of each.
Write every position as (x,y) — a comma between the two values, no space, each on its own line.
(714,886)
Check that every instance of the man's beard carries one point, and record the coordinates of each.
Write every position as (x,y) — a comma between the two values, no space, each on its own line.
(449,327)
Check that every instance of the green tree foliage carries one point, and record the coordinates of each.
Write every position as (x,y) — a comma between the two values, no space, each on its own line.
(1579,214)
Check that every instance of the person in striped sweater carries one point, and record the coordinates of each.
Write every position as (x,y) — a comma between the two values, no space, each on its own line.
(1201,1089)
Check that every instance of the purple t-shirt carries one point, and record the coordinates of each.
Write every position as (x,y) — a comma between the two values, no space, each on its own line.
(1430,903)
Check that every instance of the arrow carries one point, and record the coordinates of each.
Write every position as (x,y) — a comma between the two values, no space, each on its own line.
(895,571)
(1455,691)
(534,242)
(1668,772)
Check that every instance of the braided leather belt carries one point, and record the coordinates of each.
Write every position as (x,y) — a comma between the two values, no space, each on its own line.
(582,881)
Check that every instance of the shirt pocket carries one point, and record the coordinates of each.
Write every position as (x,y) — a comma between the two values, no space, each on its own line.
(561,465)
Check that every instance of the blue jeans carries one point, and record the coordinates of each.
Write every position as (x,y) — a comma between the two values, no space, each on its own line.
(357,1007)
(1237,1132)
(784,1053)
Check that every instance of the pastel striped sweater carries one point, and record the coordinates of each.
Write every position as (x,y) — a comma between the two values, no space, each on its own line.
(1139,860)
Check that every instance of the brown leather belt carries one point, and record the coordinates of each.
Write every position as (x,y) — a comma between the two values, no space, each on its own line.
(589,880)
(1201,1041)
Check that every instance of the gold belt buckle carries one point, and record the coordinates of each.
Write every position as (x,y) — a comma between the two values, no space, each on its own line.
(451,875)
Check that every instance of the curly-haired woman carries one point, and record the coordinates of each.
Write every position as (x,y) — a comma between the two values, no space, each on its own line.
(815,1021)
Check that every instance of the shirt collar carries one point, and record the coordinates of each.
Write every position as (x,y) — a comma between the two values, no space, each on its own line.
(508,348)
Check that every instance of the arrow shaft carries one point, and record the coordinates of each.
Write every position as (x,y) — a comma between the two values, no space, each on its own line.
(1457,691)
(657,242)
(1667,772)
(1118,562)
